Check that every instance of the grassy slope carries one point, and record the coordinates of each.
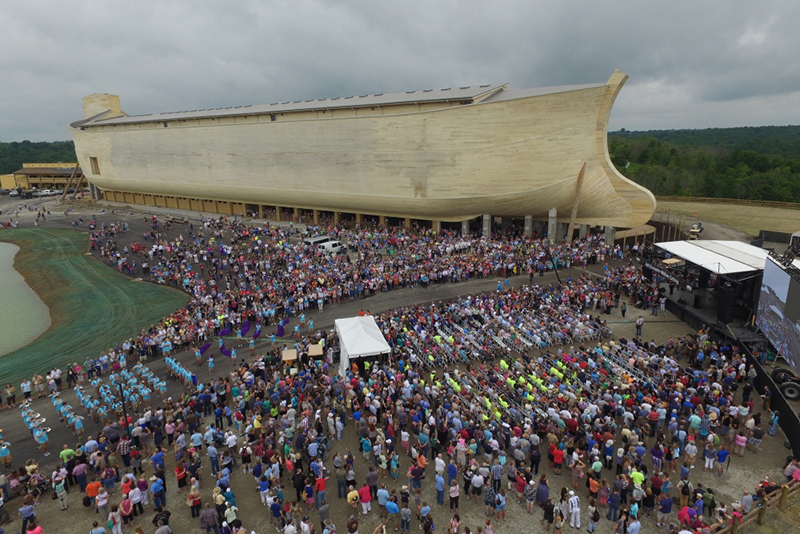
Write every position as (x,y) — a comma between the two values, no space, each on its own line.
(748,219)
(92,307)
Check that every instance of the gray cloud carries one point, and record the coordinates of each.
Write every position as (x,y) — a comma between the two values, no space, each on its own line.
(691,64)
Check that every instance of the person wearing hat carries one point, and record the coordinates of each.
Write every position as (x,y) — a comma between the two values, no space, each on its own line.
(352,524)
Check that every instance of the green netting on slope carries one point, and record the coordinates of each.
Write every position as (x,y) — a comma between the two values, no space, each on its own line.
(92,307)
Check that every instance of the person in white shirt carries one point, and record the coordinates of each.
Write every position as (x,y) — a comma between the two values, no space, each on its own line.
(574,510)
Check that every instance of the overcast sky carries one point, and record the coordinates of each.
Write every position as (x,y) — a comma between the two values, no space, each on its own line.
(691,64)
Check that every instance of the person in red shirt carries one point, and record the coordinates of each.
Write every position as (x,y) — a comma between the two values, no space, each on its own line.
(319,486)
(558,459)
(572,425)
(180,474)
(365,496)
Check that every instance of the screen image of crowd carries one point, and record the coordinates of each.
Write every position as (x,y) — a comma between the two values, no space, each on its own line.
(778,314)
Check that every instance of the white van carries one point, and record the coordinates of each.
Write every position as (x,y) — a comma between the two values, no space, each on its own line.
(331,247)
(314,241)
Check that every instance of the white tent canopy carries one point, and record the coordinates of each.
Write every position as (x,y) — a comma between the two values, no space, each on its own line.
(721,257)
(359,337)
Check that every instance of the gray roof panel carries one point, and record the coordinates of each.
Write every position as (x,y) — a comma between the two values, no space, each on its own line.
(497,92)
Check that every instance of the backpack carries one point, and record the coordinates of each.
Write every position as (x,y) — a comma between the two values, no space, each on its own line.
(685,489)
(596,516)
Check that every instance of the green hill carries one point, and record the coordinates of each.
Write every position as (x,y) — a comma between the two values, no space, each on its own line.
(756,163)
(13,155)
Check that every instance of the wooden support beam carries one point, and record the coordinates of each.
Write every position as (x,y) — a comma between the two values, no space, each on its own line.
(574,214)
(78,186)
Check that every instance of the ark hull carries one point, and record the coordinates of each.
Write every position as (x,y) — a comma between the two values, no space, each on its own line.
(512,153)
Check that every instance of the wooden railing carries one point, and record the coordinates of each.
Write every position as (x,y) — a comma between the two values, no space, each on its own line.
(778,499)
(736,201)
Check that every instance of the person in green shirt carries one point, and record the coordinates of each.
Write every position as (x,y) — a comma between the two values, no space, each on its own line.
(637,477)
(66,453)
(597,466)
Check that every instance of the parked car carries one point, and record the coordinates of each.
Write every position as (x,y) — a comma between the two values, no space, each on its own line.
(13,193)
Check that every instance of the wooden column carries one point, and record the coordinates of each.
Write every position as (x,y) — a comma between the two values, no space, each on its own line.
(296,215)
(260,211)
(382,220)
(69,182)
(576,203)
(277,213)
(335,217)
(358,218)
(407,223)
(316,217)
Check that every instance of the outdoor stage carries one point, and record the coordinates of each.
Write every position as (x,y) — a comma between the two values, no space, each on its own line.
(706,314)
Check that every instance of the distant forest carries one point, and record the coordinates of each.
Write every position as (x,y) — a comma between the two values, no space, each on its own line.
(755,163)
(13,155)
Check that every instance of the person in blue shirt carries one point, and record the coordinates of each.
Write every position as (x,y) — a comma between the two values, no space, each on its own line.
(213,457)
(158,459)
(439,489)
(263,489)
(277,516)
(392,511)
(424,510)
(452,472)
(41,438)
(722,457)
(157,491)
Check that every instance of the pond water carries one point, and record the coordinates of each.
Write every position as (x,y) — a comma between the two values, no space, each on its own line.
(23,315)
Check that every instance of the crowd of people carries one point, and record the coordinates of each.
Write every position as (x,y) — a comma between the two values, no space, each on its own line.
(516,394)
(235,272)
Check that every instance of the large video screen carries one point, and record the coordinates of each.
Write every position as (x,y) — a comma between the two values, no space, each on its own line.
(778,314)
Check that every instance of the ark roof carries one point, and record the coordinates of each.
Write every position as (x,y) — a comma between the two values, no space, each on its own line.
(469,94)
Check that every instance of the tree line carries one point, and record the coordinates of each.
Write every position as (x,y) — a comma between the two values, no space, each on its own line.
(14,154)
(743,163)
